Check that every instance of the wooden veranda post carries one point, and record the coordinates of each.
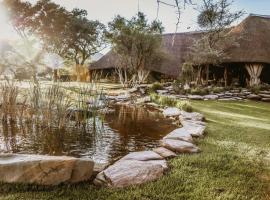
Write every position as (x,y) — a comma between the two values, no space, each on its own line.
(254,71)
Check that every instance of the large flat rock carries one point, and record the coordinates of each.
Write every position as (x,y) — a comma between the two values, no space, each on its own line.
(171,112)
(165,153)
(180,134)
(211,97)
(142,156)
(130,172)
(179,146)
(43,170)
(194,116)
(195,129)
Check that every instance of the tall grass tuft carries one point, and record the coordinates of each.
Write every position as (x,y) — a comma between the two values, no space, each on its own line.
(9,96)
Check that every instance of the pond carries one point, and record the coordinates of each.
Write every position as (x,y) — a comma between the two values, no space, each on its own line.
(127,129)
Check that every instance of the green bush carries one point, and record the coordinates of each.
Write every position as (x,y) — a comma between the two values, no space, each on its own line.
(171,102)
(184,105)
(156,86)
(163,100)
(199,91)
(218,89)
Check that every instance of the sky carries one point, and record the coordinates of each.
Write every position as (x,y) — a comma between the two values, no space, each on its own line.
(105,10)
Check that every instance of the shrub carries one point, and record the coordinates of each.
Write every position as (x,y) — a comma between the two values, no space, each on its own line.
(168,101)
(184,105)
(199,91)
(255,89)
(163,100)
(156,86)
(218,89)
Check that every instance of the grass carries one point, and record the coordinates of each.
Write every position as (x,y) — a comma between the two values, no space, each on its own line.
(234,163)
(164,101)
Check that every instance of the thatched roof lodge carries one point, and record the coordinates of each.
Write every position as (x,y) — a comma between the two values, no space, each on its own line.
(253,48)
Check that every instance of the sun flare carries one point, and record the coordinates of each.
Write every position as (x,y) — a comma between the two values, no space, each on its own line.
(6,31)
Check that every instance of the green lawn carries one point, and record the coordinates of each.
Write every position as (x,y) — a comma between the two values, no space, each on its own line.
(234,163)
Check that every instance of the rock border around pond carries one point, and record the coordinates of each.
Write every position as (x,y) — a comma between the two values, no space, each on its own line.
(133,169)
(145,166)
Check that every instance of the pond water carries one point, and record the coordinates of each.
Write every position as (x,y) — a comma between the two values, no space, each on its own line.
(127,129)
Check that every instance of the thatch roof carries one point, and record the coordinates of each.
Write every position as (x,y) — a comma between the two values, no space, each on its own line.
(253,35)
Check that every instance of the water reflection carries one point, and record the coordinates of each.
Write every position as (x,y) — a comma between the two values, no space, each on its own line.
(125,130)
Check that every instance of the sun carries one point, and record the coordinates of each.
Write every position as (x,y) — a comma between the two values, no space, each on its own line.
(6,31)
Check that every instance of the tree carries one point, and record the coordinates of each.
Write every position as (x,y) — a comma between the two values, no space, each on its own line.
(137,45)
(85,38)
(68,34)
(215,19)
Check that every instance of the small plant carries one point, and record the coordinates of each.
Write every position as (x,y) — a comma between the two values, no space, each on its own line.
(156,86)
(218,89)
(199,91)
(163,100)
(256,89)
(184,105)
(171,102)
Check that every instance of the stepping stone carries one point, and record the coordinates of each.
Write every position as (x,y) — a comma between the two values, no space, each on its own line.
(191,116)
(196,130)
(180,134)
(193,122)
(254,97)
(171,112)
(179,146)
(130,172)
(44,170)
(142,156)
(165,153)
(211,97)
(266,99)
(266,96)
(265,92)
(195,97)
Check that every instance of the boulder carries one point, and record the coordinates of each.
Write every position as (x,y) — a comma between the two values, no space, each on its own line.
(144,100)
(211,97)
(254,97)
(265,92)
(162,91)
(82,170)
(193,122)
(191,116)
(44,170)
(165,153)
(266,99)
(266,96)
(195,97)
(99,167)
(180,134)
(130,172)
(179,146)
(195,129)
(142,156)
(171,112)
(134,89)
(123,97)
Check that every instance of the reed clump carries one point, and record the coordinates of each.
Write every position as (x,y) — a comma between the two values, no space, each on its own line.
(51,106)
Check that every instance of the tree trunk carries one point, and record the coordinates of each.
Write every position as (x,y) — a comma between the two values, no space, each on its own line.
(55,75)
(254,71)
(207,74)
(199,76)
(77,70)
(226,76)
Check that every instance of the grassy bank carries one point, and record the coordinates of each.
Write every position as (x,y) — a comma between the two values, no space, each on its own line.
(234,163)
